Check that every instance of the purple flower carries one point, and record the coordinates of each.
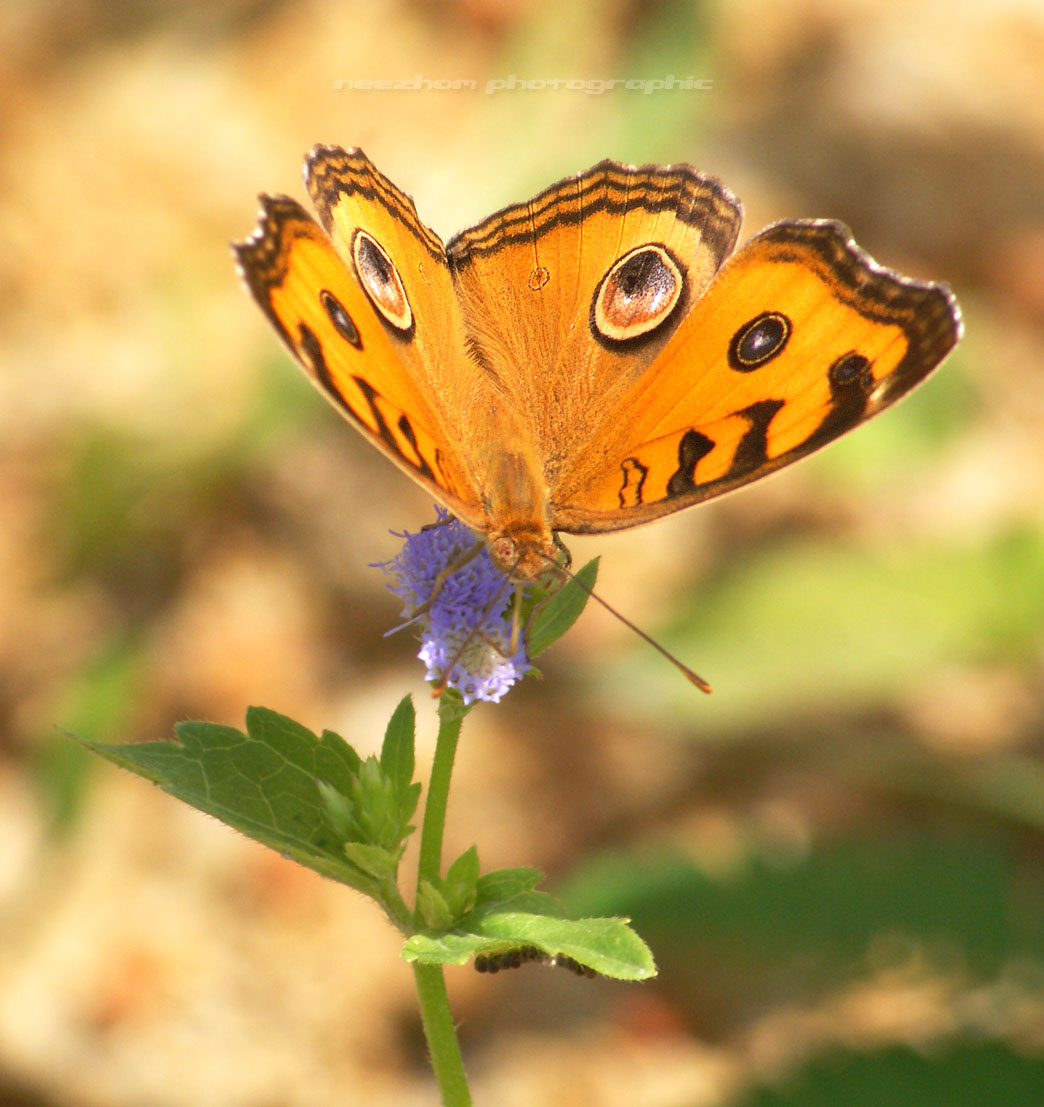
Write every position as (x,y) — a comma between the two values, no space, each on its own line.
(465,623)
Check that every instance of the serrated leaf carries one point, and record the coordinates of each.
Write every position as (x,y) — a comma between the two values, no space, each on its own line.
(337,808)
(336,761)
(608,946)
(376,807)
(397,759)
(459,884)
(262,783)
(465,870)
(433,908)
(376,861)
(559,613)
(500,885)
(530,903)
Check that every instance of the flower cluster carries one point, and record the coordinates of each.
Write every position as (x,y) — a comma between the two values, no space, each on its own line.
(465,628)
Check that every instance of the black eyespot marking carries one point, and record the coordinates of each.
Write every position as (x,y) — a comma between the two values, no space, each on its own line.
(756,343)
(850,369)
(639,294)
(382,284)
(340,318)
(644,271)
(852,384)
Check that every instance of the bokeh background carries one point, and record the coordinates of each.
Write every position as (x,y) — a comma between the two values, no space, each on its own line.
(838,858)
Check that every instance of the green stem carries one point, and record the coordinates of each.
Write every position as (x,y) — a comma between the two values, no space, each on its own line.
(429,866)
(441,1035)
(431,984)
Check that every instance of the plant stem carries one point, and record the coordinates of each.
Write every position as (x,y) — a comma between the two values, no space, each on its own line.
(429,866)
(441,1035)
(431,984)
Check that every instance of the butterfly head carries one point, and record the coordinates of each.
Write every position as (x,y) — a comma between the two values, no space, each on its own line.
(523,553)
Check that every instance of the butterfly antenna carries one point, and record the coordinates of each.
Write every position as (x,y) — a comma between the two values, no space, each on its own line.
(684,669)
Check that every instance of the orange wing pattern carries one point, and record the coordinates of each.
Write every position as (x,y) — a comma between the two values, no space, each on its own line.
(324,317)
(526,277)
(588,360)
(800,338)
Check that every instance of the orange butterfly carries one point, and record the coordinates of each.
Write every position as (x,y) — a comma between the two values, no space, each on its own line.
(594,358)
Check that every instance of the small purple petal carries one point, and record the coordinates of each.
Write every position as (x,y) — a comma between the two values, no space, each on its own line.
(467,627)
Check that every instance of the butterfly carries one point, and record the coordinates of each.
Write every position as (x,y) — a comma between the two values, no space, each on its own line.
(594,358)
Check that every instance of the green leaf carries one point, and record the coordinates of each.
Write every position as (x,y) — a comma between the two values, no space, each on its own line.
(460,882)
(262,783)
(375,861)
(564,607)
(337,809)
(380,814)
(514,890)
(534,903)
(337,762)
(607,946)
(397,751)
(434,909)
(500,885)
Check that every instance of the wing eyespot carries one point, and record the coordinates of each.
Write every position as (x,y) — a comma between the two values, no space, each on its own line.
(759,340)
(639,294)
(382,284)
(851,369)
(342,321)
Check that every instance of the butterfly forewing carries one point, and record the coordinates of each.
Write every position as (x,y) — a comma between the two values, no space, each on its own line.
(326,320)
(527,278)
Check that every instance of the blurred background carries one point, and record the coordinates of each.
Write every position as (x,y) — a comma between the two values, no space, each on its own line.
(838,858)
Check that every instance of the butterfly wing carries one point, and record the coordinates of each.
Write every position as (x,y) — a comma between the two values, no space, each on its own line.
(526,278)
(584,361)
(350,316)
(800,337)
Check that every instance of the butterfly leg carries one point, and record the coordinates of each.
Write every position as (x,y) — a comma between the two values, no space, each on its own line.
(476,632)
(444,520)
(516,620)
(444,574)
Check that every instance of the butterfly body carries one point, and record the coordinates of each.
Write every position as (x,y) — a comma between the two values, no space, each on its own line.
(591,359)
